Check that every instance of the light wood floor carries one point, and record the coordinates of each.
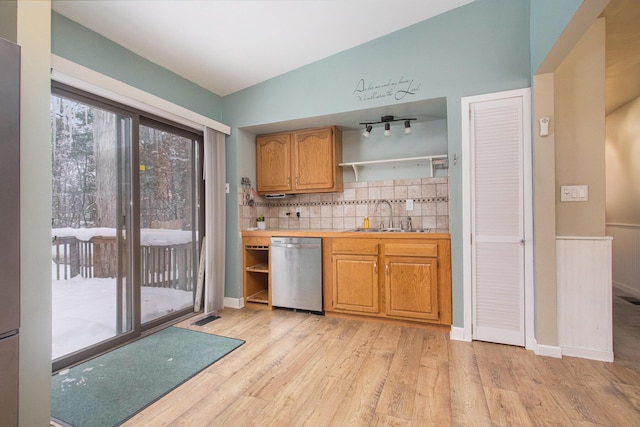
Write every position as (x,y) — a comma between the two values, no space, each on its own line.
(302,369)
(626,331)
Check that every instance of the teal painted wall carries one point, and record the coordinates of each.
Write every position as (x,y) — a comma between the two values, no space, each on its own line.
(427,139)
(76,43)
(482,47)
(548,19)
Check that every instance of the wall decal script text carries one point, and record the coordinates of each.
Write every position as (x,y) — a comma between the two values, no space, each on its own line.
(397,89)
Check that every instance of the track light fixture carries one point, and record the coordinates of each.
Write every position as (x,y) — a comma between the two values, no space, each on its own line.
(407,127)
(387,120)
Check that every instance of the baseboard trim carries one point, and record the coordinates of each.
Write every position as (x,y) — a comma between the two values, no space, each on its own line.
(233,302)
(457,334)
(549,351)
(586,353)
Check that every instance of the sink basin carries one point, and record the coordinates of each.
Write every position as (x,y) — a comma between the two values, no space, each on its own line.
(389,230)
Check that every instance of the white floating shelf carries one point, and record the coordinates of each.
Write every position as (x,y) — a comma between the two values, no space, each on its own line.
(356,165)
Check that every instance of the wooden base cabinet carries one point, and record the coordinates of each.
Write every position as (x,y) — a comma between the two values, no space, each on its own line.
(354,266)
(256,277)
(411,288)
(355,281)
(408,280)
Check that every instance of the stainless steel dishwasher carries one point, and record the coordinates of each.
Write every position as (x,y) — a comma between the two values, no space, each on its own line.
(296,273)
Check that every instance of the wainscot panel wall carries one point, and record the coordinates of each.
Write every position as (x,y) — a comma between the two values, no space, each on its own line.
(585,318)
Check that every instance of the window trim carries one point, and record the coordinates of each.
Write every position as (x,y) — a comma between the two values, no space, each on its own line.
(83,78)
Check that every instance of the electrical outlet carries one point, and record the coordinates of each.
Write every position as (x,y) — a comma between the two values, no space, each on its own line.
(226,188)
(409,204)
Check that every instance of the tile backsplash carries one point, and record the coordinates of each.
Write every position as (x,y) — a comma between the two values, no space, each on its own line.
(348,209)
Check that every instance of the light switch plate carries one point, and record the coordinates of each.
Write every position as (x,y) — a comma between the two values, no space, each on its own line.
(226,187)
(574,193)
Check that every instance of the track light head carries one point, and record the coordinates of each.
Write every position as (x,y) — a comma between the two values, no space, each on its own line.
(407,127)
(367,131)
(387,129)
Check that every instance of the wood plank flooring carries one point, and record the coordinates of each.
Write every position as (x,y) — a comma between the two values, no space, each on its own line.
(298,369)
(626,330)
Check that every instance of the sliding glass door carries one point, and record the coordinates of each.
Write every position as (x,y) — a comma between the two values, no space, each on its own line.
(168,220)
(126,223)
(91,284)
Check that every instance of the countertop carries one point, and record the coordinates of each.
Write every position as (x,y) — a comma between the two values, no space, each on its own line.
(324,232)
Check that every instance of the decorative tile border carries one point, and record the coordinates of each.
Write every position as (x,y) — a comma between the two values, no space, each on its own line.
(347,202)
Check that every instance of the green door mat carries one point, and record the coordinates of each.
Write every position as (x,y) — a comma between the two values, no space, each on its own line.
(111,388)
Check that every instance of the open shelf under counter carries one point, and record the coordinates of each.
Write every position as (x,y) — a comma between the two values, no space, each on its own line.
(259,268)
(261,297)
(256,277)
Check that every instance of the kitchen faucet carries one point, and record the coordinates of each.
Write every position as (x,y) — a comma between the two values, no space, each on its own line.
(390,212)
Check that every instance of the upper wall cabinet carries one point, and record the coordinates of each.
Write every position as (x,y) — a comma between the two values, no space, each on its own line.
(273,163)
(304,161)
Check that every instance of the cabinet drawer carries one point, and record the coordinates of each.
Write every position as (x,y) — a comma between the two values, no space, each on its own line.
(354,246)
(412,249)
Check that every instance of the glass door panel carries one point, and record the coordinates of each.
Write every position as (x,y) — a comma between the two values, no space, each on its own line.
(168,223)
(91,292)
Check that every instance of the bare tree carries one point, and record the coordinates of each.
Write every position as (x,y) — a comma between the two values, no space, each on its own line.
(104,139)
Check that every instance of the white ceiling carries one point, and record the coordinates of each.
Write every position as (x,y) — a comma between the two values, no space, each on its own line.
(228,45)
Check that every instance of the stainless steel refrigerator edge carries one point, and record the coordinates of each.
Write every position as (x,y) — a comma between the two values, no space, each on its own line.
(9,230)
(296,273)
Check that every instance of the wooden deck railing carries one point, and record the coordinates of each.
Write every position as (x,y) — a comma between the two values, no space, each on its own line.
(168,266)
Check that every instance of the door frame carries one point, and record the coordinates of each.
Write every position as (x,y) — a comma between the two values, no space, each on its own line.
(529,284)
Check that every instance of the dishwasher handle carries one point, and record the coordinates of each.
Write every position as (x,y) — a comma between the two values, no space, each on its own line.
(295,245)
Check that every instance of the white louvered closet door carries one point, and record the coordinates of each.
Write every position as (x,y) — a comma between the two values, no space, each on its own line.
(497,192)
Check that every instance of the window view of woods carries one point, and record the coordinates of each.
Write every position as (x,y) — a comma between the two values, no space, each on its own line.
(83,148)
(165,179)
(74,164)
(93,180)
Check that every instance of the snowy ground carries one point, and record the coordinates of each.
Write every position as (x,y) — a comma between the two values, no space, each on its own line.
(84,310)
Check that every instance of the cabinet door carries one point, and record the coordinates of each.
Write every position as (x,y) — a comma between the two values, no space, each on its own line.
(411,287)
(314,159)
(355,283)
(273,163)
